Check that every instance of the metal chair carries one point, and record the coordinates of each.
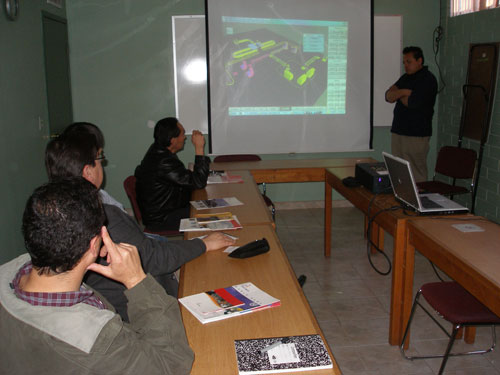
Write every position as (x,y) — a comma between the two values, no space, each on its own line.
(248,157)
(456,305)
(129,186)
(455,163)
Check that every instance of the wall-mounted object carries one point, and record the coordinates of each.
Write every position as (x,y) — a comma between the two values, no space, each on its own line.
(11,9)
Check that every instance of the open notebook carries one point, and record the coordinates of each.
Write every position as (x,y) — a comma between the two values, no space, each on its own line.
(405,190)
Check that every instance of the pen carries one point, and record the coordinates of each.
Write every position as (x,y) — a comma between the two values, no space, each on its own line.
(272,346)
(230,236)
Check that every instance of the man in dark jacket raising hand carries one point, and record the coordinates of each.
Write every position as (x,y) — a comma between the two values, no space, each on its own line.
(164,184)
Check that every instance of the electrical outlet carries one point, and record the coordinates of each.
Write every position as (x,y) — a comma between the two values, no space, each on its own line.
(41,123)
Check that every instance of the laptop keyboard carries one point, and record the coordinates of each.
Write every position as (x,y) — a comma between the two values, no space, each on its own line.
(427,203)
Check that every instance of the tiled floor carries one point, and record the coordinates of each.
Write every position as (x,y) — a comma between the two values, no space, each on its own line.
(350,300)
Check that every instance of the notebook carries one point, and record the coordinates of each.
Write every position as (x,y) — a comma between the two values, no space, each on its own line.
(281,354)
(405,190)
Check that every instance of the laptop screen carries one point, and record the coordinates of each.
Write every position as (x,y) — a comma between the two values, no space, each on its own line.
(401,180)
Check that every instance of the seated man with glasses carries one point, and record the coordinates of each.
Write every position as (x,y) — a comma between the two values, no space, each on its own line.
(78,151)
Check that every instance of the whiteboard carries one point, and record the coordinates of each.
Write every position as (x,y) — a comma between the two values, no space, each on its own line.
(387,52)
(190,72)
(188,34)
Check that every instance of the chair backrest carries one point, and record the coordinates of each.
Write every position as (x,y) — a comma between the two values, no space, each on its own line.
(456,162)
(236,157)
(129,186)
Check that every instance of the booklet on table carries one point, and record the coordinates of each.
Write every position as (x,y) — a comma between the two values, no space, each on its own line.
(243,298)
(215,203)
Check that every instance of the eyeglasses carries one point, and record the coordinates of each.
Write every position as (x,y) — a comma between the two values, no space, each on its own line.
(101,157)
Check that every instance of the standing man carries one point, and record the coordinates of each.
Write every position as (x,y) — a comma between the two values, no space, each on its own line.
(164,184)
(415,94)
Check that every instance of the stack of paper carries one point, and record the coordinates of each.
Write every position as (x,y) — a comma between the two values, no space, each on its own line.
(228,302)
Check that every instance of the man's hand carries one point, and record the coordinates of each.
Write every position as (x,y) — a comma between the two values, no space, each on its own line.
(124,262)
(216,241)
(198,142)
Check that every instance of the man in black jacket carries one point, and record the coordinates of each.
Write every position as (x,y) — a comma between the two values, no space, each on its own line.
(164,184)
(79,152)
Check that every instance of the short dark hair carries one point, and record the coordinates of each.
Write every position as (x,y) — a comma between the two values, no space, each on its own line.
(165,130)
(68,154)
(59,221)
(86,127)
(415,51)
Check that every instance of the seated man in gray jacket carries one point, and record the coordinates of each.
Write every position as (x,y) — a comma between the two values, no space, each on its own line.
(79,152)
(51,323)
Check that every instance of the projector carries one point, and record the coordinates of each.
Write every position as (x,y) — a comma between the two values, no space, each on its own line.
(373,176)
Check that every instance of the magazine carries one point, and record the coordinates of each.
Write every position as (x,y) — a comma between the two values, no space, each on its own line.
(208,218)
(221,177)
(251,298)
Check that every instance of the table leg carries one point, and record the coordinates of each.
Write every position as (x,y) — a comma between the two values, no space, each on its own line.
(470,335)
(328,218)
(399,287)
(407,297)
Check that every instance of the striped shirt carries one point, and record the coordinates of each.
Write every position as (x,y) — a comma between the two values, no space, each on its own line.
(59,299)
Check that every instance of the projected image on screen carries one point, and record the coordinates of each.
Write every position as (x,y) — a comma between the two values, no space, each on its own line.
(285,67)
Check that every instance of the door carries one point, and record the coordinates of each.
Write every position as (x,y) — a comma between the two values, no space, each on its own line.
(57,72)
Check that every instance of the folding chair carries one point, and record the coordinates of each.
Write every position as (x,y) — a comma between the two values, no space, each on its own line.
(456,305)
(456,163)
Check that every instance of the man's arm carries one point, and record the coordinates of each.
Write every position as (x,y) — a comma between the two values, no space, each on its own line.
(172,170)
(154,342)
(198,142)
(394,94)
(176,172)
(157,257)
(424,93)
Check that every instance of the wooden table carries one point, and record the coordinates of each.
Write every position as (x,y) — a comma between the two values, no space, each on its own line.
(213,343)
(289,170)
(393,222)
(253,211)
(472,259)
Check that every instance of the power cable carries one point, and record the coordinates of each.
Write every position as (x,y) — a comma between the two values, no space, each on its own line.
(371,244)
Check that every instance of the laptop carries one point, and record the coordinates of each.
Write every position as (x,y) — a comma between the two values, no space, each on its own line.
(406,192)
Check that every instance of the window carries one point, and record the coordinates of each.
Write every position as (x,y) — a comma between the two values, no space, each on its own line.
(459,7)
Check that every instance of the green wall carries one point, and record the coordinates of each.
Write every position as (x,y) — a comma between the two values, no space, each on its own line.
(122,77)
(121,70)
(23,102)
(459,33)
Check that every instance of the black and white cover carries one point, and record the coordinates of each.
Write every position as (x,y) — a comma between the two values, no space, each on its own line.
(281,354)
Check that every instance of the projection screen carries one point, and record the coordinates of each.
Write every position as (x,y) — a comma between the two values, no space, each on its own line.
(289,75)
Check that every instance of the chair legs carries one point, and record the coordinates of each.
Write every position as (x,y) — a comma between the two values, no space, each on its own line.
(452,336)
